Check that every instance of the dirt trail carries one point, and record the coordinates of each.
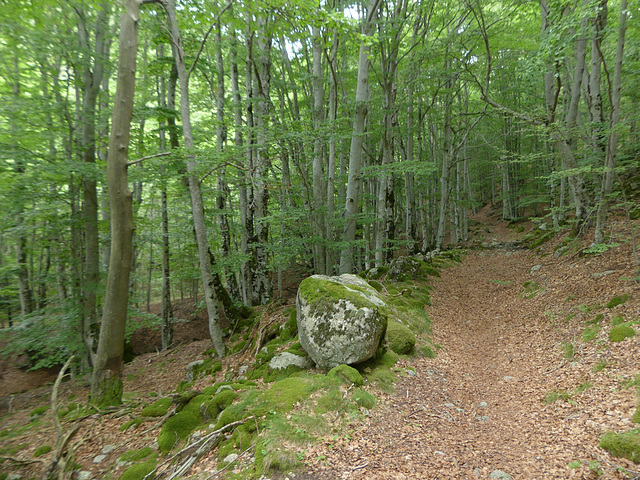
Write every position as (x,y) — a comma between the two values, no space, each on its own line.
(478,406)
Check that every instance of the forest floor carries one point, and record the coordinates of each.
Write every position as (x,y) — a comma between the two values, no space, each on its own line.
(504,319)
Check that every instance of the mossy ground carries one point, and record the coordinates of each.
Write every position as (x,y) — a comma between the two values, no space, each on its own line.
(625,445)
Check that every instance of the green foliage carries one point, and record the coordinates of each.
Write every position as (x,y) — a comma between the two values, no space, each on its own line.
(625,445)
(621,332)
(599,248)
(567,350)
(554,396)
(530,289)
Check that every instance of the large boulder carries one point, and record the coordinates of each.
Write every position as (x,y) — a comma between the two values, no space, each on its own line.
(340,319)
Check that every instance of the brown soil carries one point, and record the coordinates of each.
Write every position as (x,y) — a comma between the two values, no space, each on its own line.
(499,346)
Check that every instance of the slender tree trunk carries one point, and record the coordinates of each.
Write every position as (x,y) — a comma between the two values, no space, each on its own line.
(106,383)
(197,207)
(612,145)
(356,151)
(92,74)
(319,190)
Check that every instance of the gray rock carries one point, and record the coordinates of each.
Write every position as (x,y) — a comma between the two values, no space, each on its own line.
(224,387)
(412,373)
(500,475)
(14,476)
(285,359)
(507,378)
(232,457)
(483,418)
(403,268)
(190,370)
(534,269)
(602,274)
(483,405)
(84,475)
(339,319)
(99,458)
(559,252)
(243,369)
(108,449)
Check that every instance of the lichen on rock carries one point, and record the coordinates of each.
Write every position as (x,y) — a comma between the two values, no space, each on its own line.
(341,320)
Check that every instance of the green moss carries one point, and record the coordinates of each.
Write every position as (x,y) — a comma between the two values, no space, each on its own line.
(346,374)
(388,359)
(315,290)
(109,392)
(617,320)
(225,398)
(39,411)
(364,399)
(400,338)
(283,395)
(159,408)
(383,377)
(554,396)
(615,301)
(131,424)
(621,332)
(427,351)
(44,449)
(567,350)
(375,284)
(625,445)
(250,403)
(590,333)
(332,401)
(136,455)
(140,470)
(636,416)
(176,429)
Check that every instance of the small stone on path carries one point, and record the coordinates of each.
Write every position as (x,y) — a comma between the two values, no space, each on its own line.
(483,418)
(483,405)
(99,458)
(108,449)
(500,475)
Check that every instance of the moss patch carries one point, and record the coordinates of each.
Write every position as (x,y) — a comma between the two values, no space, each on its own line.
(621,332)
(176,429)
(159,408)
(43,450)
(346,374)
(620,300)
(625,445)
(136,455)
(283,395)
(140,470)
(636,415)
(364,399)
(400,338)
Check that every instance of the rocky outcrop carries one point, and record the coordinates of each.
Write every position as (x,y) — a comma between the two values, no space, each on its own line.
(340,319)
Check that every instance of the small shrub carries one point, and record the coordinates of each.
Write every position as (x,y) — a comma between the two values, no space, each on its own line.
(567,350)
(621,332)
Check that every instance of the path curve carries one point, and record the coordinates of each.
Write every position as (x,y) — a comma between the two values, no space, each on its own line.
(478,406)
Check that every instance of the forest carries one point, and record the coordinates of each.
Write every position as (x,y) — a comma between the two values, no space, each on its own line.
(163,150)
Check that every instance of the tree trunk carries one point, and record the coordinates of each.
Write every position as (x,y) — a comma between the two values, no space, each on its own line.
(197,207)
(319,190)
(106,383)
(92,74)
(612,145)
(355,153)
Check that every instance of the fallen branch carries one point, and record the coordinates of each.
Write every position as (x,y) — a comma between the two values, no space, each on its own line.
(62,440)
(198,449)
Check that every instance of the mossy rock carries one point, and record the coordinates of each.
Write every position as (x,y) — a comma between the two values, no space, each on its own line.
(159,408)
(177,429)
(136,455)
(615,301)
(139,470)
(625,445)
(621,332)
(43,450)
(400,338)
(364,399)
(225,398)
(346,374)
(375,284)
